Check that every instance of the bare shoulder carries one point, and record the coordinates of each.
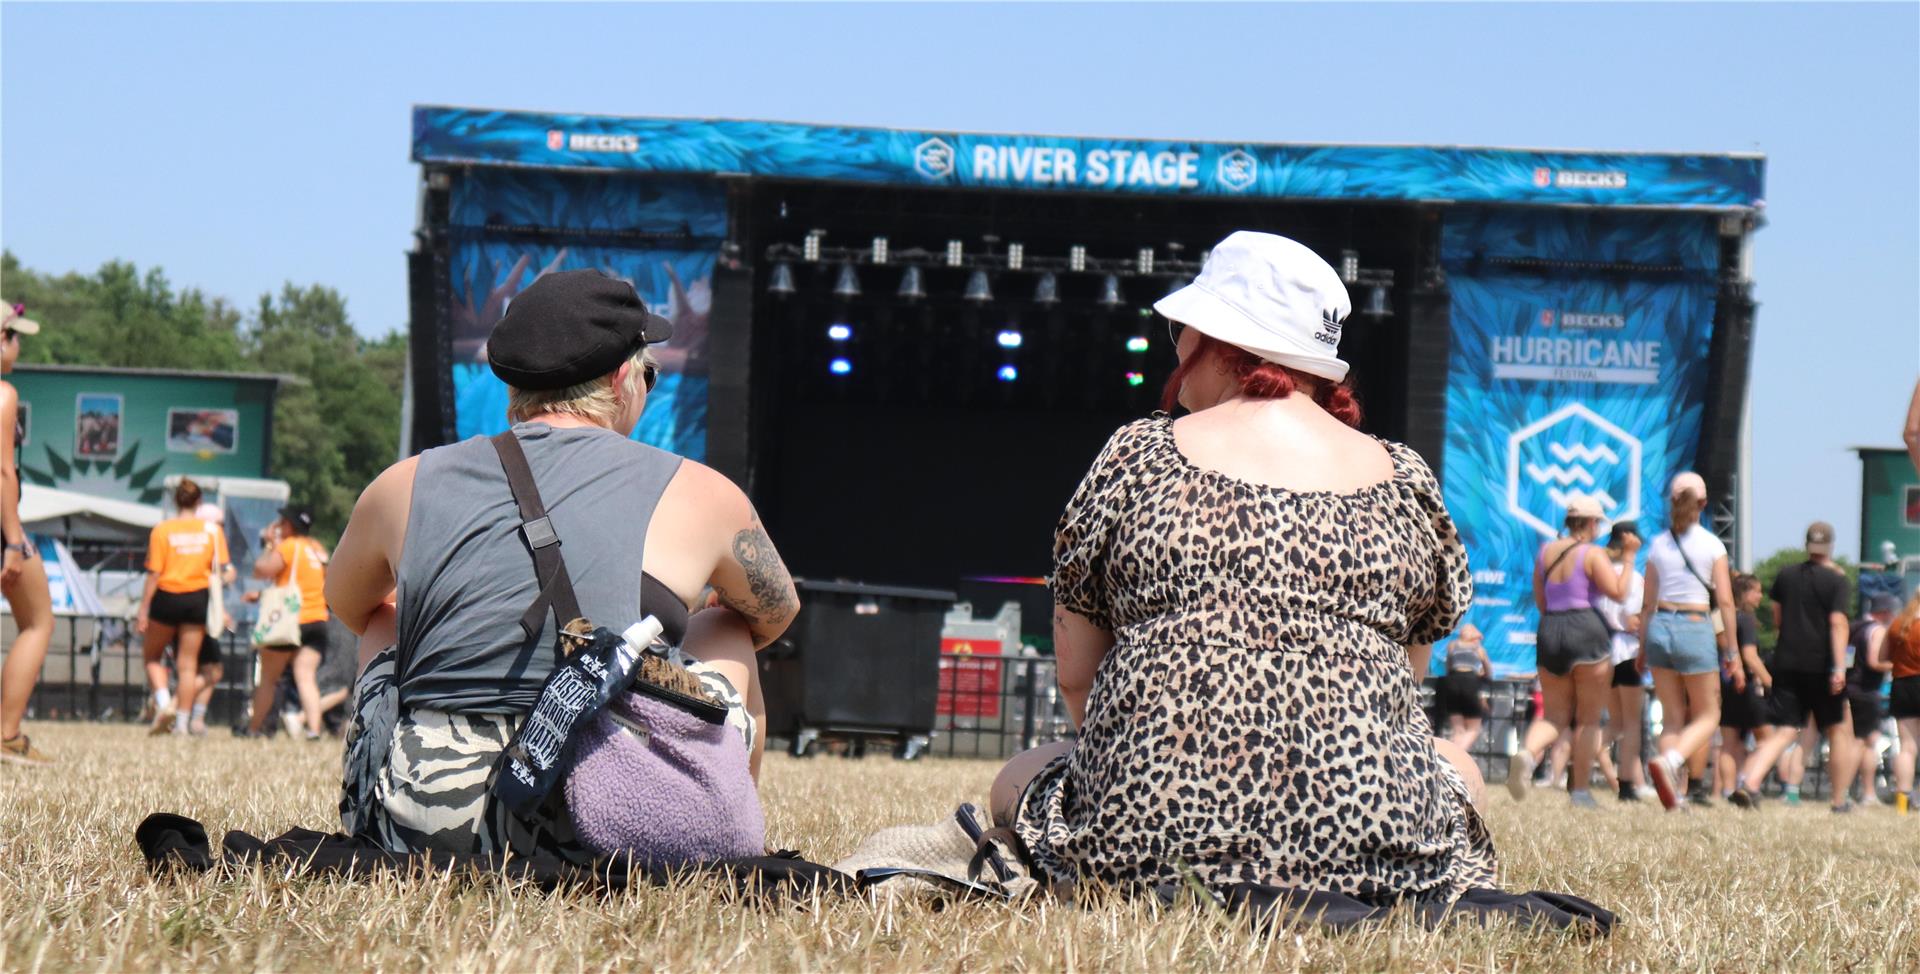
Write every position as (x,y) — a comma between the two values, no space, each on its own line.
(701,488)
(9,397)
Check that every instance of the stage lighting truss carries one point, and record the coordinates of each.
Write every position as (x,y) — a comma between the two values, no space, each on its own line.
(1370,287)
(1045,268)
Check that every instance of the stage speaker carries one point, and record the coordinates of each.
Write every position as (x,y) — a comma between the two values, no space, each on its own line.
(859,659)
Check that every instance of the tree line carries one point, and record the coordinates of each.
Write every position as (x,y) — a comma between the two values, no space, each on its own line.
(332,433)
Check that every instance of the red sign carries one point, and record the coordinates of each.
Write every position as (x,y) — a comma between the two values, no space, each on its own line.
(969,678)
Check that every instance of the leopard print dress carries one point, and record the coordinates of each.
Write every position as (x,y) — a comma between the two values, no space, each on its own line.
(1256,720)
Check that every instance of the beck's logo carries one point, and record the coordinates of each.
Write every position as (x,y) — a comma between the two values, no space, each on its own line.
(556,139)
(1543,177)
(1546,319)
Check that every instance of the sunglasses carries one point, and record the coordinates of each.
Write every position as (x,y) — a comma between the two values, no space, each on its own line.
(1174,328)
(649,374)
(7,335)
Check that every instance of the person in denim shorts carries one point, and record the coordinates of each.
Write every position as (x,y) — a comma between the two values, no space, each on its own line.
(1688,583)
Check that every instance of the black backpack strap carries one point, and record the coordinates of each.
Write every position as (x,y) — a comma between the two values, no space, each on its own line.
(536,529)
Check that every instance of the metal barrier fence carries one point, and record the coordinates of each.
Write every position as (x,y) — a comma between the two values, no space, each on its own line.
(95,670)
(997,706)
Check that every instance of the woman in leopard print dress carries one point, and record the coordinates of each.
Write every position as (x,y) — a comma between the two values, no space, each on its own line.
(1243,600)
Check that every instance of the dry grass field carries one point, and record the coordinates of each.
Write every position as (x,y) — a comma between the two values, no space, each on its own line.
(1717,890)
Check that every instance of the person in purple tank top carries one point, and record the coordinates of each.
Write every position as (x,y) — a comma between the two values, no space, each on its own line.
(1574,649)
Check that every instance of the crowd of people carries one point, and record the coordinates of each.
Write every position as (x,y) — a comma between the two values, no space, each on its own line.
(1245,599)
(1729,716)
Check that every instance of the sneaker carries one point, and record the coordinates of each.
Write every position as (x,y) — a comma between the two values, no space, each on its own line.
(198,728)
(1663,776)
(1583,799)
(20,750)
(1844,808)
(1792,796)
(1519,774)
(1699,795)
(242,731)
(1742,798)
(1629,793)
(162,722)
(290,719)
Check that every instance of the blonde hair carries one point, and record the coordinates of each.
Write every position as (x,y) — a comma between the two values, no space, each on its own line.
(593,400)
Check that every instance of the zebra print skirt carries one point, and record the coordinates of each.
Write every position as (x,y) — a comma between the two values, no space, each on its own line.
(419,780)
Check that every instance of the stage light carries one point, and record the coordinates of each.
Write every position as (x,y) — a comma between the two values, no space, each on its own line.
(839,333)
(810,248)
(781,281)
(1048,290)
(1136,379)
(1076,258)
(1009,339)
(1016,256)
(1349,266)
(910,287)
(848,286)
(1110,292)
(978,289)
(1377,305)
(1137,344)
(879,250)
(1143,261)
(1008,373)
(955,251)
(839,366)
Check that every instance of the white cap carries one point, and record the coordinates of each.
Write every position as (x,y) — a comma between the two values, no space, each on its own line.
(1271,296)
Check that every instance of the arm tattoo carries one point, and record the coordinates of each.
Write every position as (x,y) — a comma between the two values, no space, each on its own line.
(767,576)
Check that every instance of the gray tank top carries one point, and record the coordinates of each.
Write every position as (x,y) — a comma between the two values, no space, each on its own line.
(1462,660)
(466,576)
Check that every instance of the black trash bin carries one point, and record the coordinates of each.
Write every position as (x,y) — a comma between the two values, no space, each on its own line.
(861,661)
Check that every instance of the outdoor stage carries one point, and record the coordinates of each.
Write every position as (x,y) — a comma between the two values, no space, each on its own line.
(908,346)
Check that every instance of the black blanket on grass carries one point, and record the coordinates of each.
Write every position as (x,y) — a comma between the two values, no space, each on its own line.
(176,842)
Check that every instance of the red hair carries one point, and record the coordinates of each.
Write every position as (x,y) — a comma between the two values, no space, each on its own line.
(1261,379)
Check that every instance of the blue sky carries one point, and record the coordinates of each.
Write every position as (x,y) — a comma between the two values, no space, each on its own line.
(241,146)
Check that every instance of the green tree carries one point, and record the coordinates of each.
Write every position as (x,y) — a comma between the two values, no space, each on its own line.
(120,317)
(335,432)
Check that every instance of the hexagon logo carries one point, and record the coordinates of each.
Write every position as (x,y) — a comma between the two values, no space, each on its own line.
(1237,170)
(1571,452)
(934,159)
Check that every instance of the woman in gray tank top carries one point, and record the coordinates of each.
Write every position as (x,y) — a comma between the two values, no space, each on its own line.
(435,575)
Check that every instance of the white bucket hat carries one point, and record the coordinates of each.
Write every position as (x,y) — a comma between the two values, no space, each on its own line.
(1270,296)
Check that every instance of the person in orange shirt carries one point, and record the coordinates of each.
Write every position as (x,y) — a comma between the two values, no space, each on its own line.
(290,556)
(1903,648)
(184,557)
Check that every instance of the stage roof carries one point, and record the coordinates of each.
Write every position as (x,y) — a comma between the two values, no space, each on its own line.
(1045,163)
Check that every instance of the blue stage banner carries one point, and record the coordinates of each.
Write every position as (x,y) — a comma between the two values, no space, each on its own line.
(490,264)
(795,151)
(1562,386)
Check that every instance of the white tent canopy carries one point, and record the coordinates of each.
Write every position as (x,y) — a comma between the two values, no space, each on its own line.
(73,516)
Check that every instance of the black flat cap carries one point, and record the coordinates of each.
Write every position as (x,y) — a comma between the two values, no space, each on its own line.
(569,327)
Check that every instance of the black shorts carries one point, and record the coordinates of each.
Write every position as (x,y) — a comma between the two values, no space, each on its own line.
(1797,695)
(313,635)
(1625,674)
(1458,694)
(1746,710)
(1865,708)
(179,608)
(1905,701)
(210,654)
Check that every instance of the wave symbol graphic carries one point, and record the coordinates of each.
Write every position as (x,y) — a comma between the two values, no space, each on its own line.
(1558,474)
(1565,498)
(1582,452)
